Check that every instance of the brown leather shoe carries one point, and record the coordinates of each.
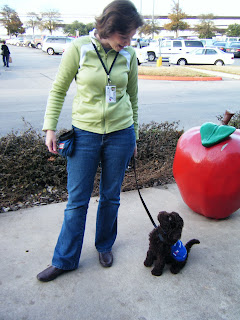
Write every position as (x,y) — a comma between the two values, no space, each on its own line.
(50,274)
(106,259)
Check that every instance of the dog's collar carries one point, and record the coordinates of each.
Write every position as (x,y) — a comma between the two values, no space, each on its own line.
(159,234)
(160,237)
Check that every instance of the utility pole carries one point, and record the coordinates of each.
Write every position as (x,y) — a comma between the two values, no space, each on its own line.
(153,20)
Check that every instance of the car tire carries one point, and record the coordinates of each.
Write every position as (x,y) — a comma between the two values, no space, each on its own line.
(182,62)
(219,63)
(39,46)
(151,56)
(50,51)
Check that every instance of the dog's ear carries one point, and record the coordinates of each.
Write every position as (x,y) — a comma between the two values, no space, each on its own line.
(160,215)
(179,219)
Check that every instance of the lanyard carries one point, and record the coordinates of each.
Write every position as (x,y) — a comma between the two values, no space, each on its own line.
(107,72)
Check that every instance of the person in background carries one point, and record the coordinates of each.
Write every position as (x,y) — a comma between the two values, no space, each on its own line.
(105,123)
(5,54)
(139,44)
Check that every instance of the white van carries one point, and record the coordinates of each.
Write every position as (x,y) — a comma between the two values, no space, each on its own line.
(169,47)
(141,54)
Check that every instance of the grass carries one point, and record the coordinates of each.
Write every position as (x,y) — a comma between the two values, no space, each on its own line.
(186,71)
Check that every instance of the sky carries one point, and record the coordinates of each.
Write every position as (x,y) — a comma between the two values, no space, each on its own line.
(74,9)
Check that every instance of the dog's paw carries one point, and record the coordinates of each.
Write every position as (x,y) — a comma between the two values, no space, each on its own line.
(174,269)
(156,272)
(147,263)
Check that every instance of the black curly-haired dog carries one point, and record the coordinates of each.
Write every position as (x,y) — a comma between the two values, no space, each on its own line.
(165,246)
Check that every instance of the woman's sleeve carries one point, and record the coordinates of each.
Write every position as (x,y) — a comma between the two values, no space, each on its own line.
(132,90)
(67,70)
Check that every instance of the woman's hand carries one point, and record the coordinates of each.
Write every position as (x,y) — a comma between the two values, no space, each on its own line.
(51,141)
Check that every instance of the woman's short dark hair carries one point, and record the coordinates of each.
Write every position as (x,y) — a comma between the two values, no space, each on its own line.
(118,16)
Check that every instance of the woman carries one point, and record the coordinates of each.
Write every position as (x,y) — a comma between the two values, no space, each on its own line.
(5,54)
(105,123)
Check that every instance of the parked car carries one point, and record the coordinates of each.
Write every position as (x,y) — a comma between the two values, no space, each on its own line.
(234,47)
(37,41)
(232,39)
(54,45)
(16,41)
(152,50)
(142,56)
(172,47)
(139,42)
(220,45)
(27,41)
(10,41)
(206,55)
(207,42)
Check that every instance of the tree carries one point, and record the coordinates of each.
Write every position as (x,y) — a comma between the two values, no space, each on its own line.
(206,28)
(34,20)
(90,26)
(16,25)
(233,30)
(149,28)
(78,27)
(176,18)
(50,20)
(11,21)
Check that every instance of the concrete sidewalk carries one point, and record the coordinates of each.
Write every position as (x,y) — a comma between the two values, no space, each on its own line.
(218,74)
(207,288)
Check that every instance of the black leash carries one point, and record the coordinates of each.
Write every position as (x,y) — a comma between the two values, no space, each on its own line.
(144,204)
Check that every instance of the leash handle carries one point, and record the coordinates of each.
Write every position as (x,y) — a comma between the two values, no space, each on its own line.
(144,204)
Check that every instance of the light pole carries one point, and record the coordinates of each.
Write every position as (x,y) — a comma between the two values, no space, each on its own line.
(153,20)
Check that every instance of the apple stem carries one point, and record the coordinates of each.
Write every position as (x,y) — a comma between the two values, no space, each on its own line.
(227,116)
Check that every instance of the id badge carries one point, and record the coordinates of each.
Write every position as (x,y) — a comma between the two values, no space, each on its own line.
(110,94)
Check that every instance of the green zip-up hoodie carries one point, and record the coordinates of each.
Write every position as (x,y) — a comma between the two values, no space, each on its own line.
(90,111)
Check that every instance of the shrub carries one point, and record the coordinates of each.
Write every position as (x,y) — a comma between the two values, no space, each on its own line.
(235,120)
(30,175)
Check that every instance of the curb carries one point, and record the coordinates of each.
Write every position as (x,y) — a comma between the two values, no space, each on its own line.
(146,77)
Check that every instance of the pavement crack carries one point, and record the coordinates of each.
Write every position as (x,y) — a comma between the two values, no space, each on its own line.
(47,76)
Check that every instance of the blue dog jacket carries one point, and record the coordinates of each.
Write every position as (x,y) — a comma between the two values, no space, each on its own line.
(178,251)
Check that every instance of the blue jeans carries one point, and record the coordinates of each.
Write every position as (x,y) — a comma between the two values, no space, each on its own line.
(114,151)
(6,60)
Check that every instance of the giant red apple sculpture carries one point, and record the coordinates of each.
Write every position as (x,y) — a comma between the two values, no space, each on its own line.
(208,177)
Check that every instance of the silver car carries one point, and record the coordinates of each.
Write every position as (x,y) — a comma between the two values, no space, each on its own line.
(53,45)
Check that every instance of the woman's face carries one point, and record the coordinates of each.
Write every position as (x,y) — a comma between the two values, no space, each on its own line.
(118,41)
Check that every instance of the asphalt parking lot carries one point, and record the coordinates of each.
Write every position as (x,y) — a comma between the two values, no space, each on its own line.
(32,73)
